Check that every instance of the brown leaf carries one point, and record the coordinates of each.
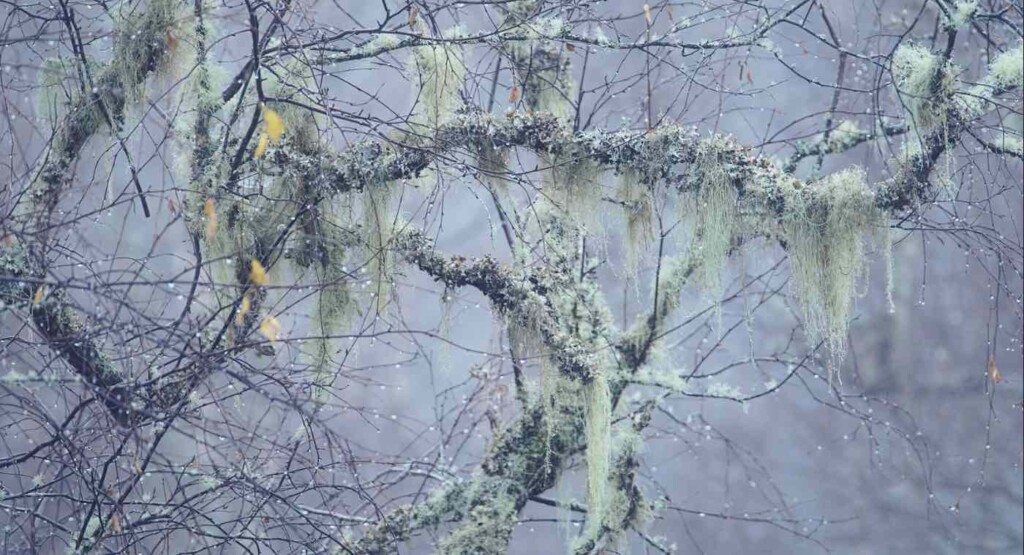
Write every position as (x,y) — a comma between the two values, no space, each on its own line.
(172,41)
(570,47)
(514,94)
(115,524)
(750,77)
(993,370)
(413,12)
(210,211)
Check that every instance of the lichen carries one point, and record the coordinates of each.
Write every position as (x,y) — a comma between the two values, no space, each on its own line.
(716,214)
(1007,69)
(441,72)
(824,229)
(926,82)
(637,201)
(379,222)
(597,410)
(963,11)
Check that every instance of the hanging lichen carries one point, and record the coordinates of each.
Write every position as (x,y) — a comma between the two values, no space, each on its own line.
(573,186)
(441,71)
(379,220)
(715,212)
(824,228)
(925,82)
(637,202)
(541,65)
(597,410)
(492,161)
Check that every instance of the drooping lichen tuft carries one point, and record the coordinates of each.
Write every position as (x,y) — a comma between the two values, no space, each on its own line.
(824,228)
(379,221)
(573,185)
(637,202)
(925,82)
(597,410)
(715,213)
(441,72)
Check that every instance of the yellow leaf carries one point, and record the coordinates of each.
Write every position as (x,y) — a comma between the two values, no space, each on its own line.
(261,147)
(275,125)
(243,309)
(38,297)
(993,370)
(211,218)
(270,328)
(257,273)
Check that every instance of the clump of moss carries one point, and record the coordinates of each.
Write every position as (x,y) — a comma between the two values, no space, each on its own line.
(824,228)
(926,81)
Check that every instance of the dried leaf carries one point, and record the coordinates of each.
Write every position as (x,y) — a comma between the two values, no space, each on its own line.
(38,297)
(647,14)
(514,95)
(570,47)
(413,12)
(750,77)
(211,219)
(243,309)
(993,370)
(257,273)
(170,205)
(270,328)
(115,523)
(275,124)
(261,147)
(172,41)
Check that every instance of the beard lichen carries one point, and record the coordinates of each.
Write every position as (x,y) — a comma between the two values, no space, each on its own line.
(824,227)
(597,411)
(441,72)
(716,213)
(926,81)
(637,200)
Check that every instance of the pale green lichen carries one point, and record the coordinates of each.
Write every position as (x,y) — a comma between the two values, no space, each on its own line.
(1007,70)
(963,11)
(597,410)
(379,223)
(637,201)
(136,35)
(441,72)
(925,82)
(716,213)
(573,186)
(824,228)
